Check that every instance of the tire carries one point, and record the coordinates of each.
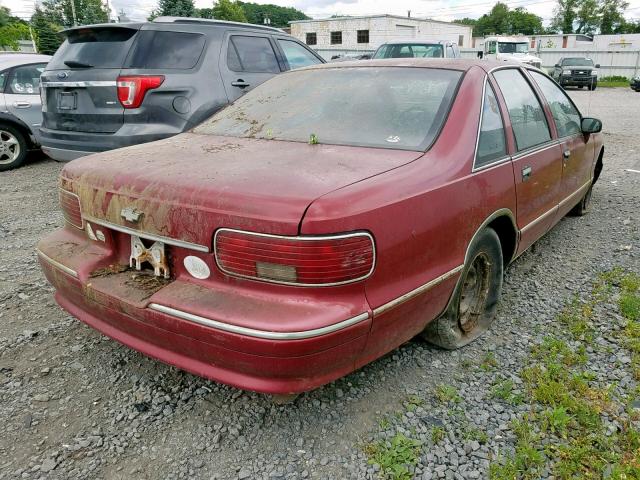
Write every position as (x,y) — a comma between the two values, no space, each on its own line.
(580,87)
(473,305)
(13,147)
(582,208)
(593,86)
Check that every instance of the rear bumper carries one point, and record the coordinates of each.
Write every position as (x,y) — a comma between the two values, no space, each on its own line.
(268,360)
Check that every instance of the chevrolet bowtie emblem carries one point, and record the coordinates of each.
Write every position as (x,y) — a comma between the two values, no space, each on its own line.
(131,214)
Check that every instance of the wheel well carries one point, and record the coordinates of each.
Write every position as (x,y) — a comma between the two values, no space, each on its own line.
(22,129)
(506,231)
(598,168)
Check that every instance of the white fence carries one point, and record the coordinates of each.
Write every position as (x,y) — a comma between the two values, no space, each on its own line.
(625,63)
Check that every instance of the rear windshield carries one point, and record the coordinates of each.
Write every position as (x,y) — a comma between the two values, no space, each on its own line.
(410,50)
(94,47)
(587,62)
(388,107)
(166,50)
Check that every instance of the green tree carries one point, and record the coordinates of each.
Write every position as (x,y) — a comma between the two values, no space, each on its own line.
(564,16)
(279,16)
(204,12)
(503,21)
(628,26)
(60,12)
(174,8)
(496,21)
(611,15)
(45,32)
(11,33)
(587,17)
(229,10)
(521,21)
(467,21)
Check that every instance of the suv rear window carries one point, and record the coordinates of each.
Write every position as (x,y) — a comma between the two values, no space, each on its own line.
(166,50)
(95,47)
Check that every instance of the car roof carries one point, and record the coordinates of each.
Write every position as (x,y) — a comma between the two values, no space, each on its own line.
(8,60)
(462,64)
(177,21)
(417,41)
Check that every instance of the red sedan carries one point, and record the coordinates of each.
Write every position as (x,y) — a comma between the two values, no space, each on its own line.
(323,219)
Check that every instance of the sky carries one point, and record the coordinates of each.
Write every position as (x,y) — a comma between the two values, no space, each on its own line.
(448,10)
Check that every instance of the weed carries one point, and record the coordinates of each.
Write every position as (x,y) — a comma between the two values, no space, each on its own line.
(396,457)
(447,393)
(413,402)
(504,391)
(489,361)
(437,434)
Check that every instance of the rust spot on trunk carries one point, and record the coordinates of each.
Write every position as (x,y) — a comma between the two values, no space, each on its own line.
(109,270)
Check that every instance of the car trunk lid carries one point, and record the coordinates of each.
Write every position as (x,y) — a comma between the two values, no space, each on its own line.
(186,187)
(79,91)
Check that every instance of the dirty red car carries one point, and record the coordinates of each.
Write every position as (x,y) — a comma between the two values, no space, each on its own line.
(322,220)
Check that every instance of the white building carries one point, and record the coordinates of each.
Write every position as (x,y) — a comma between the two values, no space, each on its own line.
(335,36)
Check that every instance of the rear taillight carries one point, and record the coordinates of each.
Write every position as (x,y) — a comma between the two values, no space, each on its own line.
(70,205)
(305,261)
(132,89)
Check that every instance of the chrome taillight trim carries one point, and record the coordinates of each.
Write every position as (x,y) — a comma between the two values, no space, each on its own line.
(89,83)
(149,236)
(338,236)
(57,264)
(252,332)
(81,226)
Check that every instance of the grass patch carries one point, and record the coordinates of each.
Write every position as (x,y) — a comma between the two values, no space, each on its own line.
(396,457)
(565,430)
(413,402)
(447,393)
(489,362)
(437,434)
(504,391)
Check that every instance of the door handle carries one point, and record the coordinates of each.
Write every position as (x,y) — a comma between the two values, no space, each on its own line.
(240,83)
(526,173)
(21,104)
(566,154)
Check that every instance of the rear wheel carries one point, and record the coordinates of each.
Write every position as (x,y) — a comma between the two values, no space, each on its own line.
(13,147)
(473,305)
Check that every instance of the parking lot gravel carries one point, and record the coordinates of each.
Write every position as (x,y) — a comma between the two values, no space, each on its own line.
(74,404)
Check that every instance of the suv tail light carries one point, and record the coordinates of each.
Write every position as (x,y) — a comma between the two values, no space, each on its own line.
(70,205)
(132,89)
(303,261)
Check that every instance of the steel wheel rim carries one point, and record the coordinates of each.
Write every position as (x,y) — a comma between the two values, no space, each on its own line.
(474,293)
(9,147)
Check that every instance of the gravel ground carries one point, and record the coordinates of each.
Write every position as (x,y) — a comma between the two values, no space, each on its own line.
(74,404)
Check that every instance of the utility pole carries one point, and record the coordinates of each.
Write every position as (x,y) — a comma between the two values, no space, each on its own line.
(73,12)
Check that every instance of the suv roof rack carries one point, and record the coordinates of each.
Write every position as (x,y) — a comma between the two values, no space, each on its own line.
(212,22)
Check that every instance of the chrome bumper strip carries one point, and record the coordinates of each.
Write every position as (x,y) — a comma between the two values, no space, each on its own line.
(149,236)
(413,293)
(251,332)
(58,265)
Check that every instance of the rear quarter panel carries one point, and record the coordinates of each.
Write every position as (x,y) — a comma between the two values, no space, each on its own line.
(422,216)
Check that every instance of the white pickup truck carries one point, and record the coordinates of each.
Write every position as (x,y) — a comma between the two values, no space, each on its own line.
(510,48)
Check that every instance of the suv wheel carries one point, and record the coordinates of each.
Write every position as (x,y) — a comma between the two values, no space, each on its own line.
(13,147)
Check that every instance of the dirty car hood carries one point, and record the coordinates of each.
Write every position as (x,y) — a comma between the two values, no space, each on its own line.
(189,185)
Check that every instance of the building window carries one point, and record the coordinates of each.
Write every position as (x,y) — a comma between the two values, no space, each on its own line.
(336,38)
(461,40)
(363,36)
(312,38)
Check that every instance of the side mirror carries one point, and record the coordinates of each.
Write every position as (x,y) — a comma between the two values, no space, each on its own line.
(591,125)
(597,65)
(557,65)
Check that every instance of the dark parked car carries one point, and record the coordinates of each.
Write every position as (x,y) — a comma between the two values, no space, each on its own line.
(576,72)
(635,83)
(323,219)
(20,112)
(113,85)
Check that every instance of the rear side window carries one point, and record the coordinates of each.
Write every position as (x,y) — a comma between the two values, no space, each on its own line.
(94,47)
(527,116)
(297,55)
(251,54)
(565,115)
(25,80)
(491,143)
(166,50)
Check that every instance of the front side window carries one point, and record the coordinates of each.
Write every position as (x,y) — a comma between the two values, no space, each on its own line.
(251,54)
(565,114)
(166,50)
(491,142)
(25,80)
(312,38)
(297,55)
(336,38)
(528,121)
(491,47)
(363,36)
(384,107)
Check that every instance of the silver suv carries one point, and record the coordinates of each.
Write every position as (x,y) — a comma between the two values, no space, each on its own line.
(114,85)
(20,114)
